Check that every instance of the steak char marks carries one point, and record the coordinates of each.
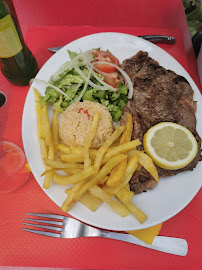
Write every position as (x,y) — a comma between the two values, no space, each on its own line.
(159,95)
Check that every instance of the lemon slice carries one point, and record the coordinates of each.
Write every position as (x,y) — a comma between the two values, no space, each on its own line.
(171,146)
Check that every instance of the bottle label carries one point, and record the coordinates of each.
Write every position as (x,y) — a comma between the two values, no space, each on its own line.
(10,43)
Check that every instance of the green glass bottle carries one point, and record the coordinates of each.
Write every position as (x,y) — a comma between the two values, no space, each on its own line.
(17,62)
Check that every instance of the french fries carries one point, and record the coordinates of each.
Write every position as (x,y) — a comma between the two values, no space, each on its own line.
(116,206)
(97,175)
(104,171)
(118,131)
(88,200)
(54,130)
(125,195)
(78,156)
(141,217)
(60,165)
(72,158)
(79,150)
(146,162)
(38,112)
(73,197)
(118,172)
(63,148)
(45,126)
(120,149)
(139,167)
(130,169)
(126,136)
(46,131)
(43,148)
(69,171)
(72,179)
(47,181)
(102,182)
(80,190)
(44,135)
(127,186)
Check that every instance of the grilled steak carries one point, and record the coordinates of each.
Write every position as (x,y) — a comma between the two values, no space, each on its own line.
(159,95)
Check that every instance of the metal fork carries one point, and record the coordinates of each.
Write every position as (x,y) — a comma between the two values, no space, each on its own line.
(72,228)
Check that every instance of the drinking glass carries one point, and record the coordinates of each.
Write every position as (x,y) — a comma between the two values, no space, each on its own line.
(13,170)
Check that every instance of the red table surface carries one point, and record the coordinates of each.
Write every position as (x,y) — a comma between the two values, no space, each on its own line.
(19,248)
(135,13)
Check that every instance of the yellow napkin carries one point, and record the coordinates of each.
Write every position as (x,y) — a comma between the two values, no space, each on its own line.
(147,235)
(27,165)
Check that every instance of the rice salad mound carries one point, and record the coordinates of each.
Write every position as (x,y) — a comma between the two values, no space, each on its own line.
(76,120)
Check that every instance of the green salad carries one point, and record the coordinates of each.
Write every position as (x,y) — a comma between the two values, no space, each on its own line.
(77,81)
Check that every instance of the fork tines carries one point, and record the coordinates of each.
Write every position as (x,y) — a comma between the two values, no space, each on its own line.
(52,228)
(46,215)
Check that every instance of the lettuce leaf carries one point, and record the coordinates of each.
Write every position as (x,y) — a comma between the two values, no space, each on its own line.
(51,95)
(72,54)
(122,89)
(69,79)
(89,95)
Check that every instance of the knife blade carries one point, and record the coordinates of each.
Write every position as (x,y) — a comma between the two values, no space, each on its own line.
(159,39)
(151,38)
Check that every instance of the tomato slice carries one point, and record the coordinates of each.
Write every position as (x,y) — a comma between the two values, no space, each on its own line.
(112,79)
(107,57)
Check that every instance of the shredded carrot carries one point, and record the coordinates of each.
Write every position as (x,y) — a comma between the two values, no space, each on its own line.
(80,110)
(85,111)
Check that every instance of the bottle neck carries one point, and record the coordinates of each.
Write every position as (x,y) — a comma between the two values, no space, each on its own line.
(3,11)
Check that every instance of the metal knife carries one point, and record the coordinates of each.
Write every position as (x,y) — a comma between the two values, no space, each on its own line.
(151,38)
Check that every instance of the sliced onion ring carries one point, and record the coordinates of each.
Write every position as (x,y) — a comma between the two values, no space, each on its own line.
(98,87)
(85,85)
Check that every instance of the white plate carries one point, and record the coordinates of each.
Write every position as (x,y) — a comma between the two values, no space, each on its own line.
(170,196)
